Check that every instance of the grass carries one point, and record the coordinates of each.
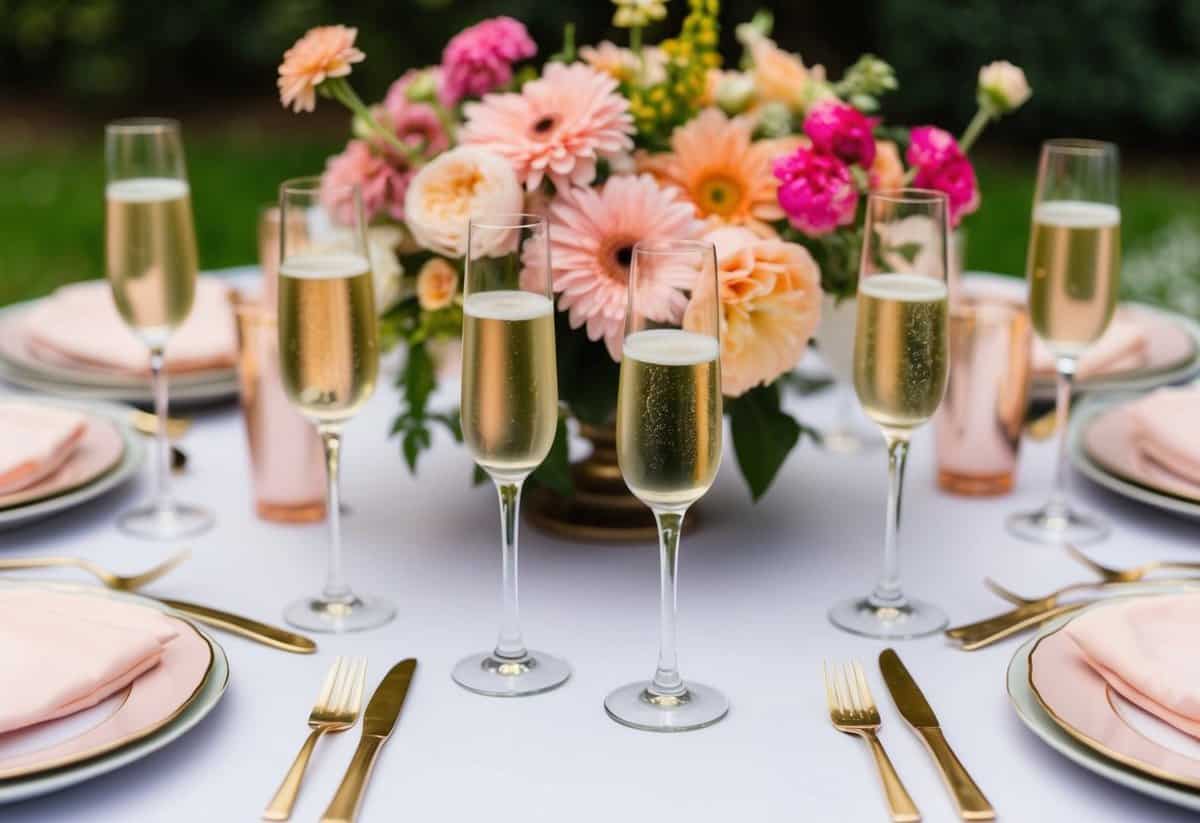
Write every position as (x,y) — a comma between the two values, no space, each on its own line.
(52,206)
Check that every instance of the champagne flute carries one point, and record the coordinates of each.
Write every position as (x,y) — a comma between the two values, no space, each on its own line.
(669,424)
(509,416)
(150,259)
(900,364)
(1072,269)
(328,361)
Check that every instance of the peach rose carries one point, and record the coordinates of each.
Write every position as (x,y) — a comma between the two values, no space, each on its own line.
(770,293)
(451,188)
(437,283)
(887,172)
(779,75)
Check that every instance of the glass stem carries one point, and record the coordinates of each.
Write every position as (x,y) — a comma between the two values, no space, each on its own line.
(162,457)
(1062,413)
(509,645)
(667,682)
(336,590)
(887,592)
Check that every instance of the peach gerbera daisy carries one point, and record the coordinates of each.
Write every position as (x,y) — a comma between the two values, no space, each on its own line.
(722,171)
(592,232)
(322,53)
(556,127)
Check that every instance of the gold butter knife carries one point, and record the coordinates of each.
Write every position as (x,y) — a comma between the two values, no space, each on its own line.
(915,709)
(264,633)
(378,722)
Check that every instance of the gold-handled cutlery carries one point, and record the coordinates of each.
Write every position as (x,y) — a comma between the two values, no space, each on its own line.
(378,722)
(336,710)
(852,710)
(119,582)
(1131,575)
(147,424)
(915,709)
(264,633)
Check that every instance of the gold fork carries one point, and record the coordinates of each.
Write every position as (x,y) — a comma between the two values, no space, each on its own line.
(120,582)
(1131,575)
(336,710)
(852,710)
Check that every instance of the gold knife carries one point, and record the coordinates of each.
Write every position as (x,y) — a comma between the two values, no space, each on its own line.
(378,723)
(236,624)
(972,805)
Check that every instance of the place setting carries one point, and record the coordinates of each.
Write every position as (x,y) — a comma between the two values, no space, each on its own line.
(582,275)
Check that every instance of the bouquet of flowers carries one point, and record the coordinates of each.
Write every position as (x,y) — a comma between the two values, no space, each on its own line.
(615,144)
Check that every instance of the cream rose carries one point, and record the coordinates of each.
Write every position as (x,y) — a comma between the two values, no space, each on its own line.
(382,242)
(437,283)
(770,293)
(1002,87)
(457,184)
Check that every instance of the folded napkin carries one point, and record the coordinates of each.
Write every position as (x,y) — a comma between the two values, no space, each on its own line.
(80,324)
(35,441)
(1165,432)
(1145,649)
(62,653)
(1120,348)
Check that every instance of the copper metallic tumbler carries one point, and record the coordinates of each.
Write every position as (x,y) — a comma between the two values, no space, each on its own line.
(978,427)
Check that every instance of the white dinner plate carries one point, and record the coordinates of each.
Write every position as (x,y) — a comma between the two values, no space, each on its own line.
(1031,713)
(131,460)
(205,700)
(1092,470)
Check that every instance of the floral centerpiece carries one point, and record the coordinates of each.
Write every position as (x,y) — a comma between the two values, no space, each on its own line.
(615,144)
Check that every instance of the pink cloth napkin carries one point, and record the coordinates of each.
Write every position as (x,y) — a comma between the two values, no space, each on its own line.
(1120,348)
(35,441)
(62,653)
(1165,430)
(80,323)
(1145,650)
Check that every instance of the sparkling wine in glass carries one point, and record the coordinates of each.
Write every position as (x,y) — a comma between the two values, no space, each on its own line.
(901,355)
(150,260)
(328,362)
(1072,271)
(669,425)
(509,416)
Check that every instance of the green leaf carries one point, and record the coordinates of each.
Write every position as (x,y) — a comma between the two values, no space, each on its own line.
(419,379)
(587,374)
(555,471)
(416,440)
(479,477)
(452,421)
(763,436)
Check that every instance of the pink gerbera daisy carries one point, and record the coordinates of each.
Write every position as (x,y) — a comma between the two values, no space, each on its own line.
(592,232)
(556,127)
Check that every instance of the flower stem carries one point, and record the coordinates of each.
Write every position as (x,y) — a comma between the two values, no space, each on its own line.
(974,129)
(344,93)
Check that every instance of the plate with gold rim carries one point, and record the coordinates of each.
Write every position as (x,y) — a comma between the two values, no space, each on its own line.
(157,708)
(1133,749)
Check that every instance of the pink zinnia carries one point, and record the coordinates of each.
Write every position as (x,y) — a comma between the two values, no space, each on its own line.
(816,190)
(592,232)
(843,131)
(479,59)
(557,127)
(941,165)
(383,184)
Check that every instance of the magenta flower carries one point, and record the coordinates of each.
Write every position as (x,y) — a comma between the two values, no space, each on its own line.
(383,183)
(942,166)
(479,59)
(816,190)
(841,130)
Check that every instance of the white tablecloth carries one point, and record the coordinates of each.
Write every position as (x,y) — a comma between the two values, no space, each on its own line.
(755,584)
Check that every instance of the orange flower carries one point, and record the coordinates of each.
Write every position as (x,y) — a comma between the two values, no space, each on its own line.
(770,293)
(887,172)
(779,75)
(725,175)
(322,53)
(437,283)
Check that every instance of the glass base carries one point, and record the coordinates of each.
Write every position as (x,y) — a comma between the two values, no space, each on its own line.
(170,522)
(848,440)
(493,676)
(912,618)
(316,614)
(636,707)
(1057,526)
